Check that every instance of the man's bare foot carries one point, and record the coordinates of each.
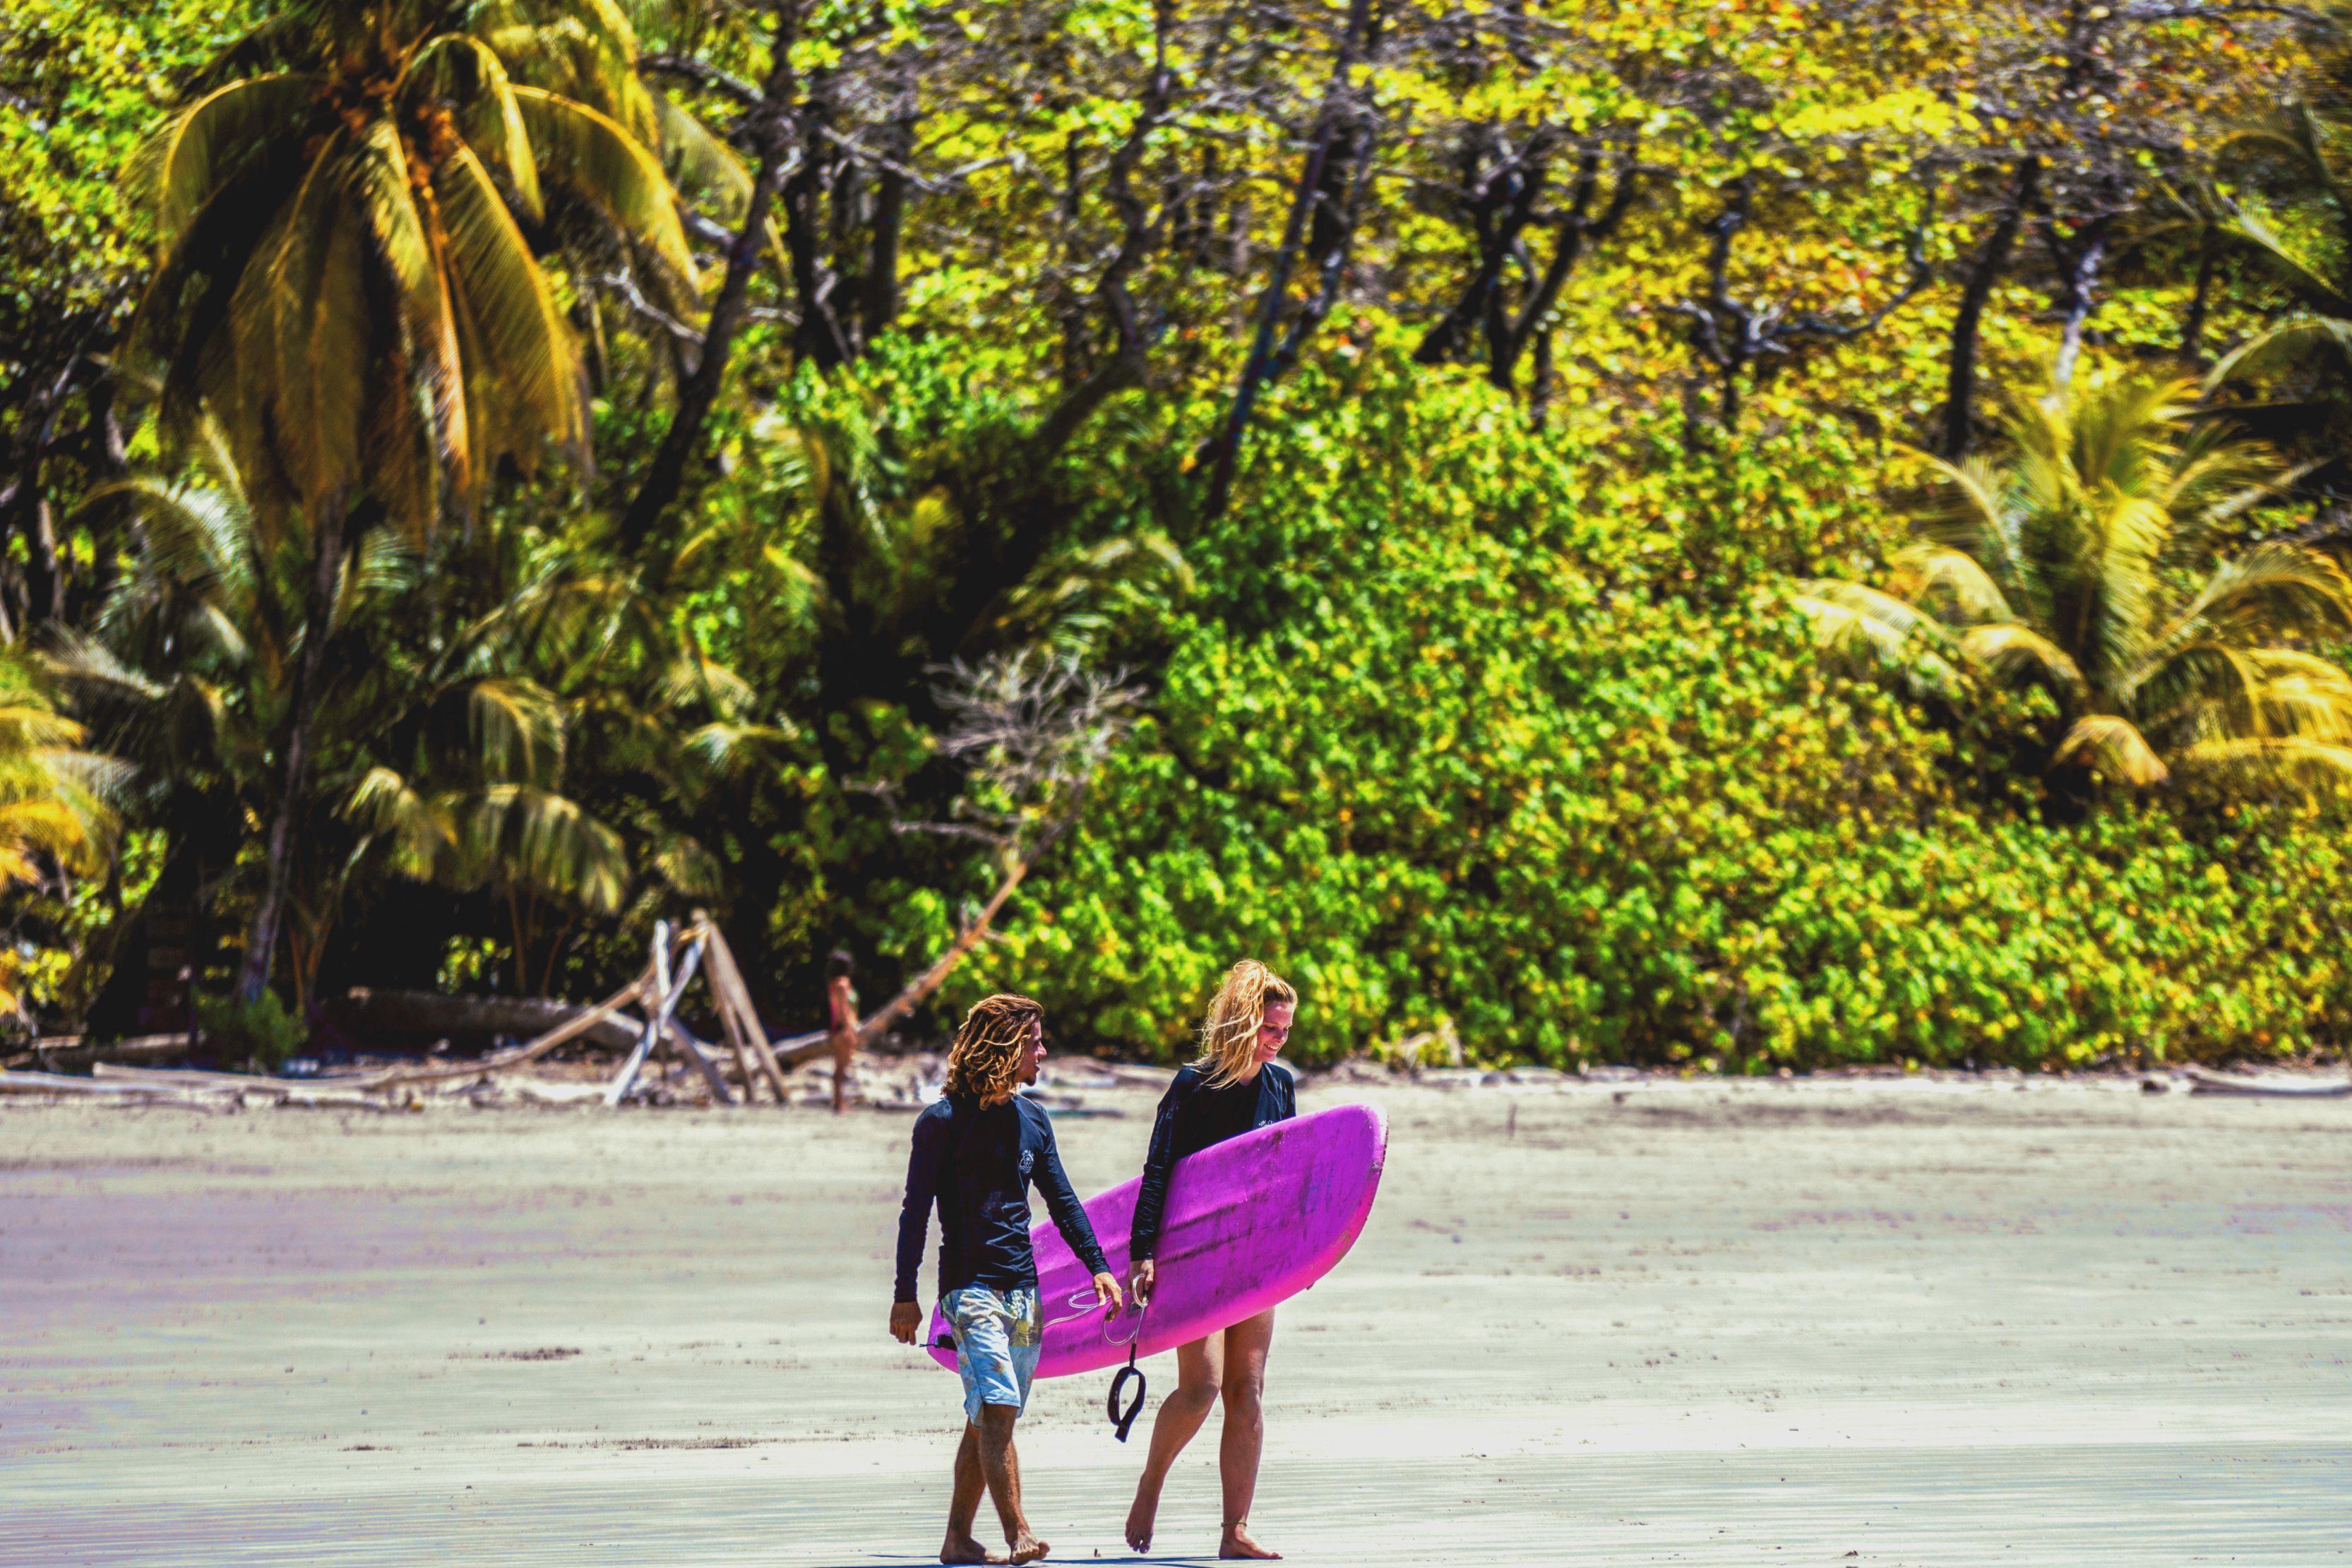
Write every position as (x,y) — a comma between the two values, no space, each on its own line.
(1236,1543)
(964,1549)
(1140,1519)
(1028,1548)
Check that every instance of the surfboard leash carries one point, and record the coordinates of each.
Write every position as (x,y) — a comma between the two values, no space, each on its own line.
(1121,1420)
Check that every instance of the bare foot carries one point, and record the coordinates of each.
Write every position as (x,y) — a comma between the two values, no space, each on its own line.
(1140,1519)
(964,1549)
(1237,1543)
(1028,1548)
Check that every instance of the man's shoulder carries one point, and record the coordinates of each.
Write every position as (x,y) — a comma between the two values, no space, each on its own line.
(936,1114)
(1033,1115)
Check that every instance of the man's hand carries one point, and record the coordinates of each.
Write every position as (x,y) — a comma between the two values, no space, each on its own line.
(906,1320)
(1106,1293)
(1139,1276)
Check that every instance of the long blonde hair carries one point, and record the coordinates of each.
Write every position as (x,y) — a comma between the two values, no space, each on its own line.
(985,1060)
(1229,1033)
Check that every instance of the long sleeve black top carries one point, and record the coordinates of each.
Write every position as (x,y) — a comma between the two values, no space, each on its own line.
(976,1163)
(1192,1117)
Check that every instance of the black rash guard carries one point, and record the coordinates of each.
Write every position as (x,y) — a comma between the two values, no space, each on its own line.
(977,1164)
(1192,1117)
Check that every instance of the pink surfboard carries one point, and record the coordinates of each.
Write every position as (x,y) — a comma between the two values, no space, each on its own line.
(1251,1221)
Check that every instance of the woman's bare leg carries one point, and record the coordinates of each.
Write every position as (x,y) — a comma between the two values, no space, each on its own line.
(1243,1385)
(1200,1368)
(844,1048)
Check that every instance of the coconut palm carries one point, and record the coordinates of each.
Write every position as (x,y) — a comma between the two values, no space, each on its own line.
(438,757)
(54,796)
(2302,246)
(2094,562)
(346,283)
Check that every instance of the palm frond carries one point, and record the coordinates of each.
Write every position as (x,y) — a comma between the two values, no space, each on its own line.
(2283,344)
(595,160)
(465,71)
(201,148)
(524,373)
(1871,630)
(2114,747)
(2008,652)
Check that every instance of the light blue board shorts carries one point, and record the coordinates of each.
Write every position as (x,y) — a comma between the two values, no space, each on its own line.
(997,1341)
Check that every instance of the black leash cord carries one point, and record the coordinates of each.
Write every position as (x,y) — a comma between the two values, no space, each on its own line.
(1120,1420)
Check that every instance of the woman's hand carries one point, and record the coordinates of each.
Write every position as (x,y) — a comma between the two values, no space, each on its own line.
(1107,1294)
(1139,1280)
(906,1320)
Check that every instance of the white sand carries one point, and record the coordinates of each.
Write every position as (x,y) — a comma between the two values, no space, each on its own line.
(1914,1324)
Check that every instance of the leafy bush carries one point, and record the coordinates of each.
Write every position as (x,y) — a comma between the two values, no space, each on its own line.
(258,1036)
(1456,736)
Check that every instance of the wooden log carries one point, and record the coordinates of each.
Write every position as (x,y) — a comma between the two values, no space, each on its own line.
(747,1069)
(931,979)
(698,1055)
(577,1025)
(59,1084)
(667,997)
(656,997)
(394,1018)
(285,1090)
(74,1052)
(735,1001)
(2203,1082)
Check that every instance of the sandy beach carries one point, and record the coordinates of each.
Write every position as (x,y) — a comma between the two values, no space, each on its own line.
(1907,1323)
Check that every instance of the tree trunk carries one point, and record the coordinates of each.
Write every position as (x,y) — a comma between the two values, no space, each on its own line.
(318,614)
(879,306)
(1499,212)
(2082,295)
(1223,449)
(2192,330)
(1960,384)
(665,475)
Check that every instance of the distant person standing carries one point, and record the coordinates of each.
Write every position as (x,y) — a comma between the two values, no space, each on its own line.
(840,1024)
(1233,1087)
(976,1153)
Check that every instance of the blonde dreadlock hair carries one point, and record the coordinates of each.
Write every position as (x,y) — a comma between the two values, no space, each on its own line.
(985,1060)
(1229,1034)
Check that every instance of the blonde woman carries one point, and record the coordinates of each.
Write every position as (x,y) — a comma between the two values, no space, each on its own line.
(1232,1088)
(977,1152)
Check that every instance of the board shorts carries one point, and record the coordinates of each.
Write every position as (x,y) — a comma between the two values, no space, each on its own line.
(997,1342)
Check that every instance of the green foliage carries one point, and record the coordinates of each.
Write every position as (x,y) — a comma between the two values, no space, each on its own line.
(1451,741)
(2094,565)
(1487,708)
(258,1036)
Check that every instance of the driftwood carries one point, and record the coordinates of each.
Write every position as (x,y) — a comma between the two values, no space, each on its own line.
(737,1013)
(931,979)
(2203,1082)
(62,1083)
(604,1014)
(662,997)
(70,1052)
(285,1090)
(421,1018)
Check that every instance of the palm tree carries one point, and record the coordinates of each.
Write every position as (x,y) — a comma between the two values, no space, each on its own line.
(54,810)
(347,287)
(439,758)
(2304,251)
(2095,563)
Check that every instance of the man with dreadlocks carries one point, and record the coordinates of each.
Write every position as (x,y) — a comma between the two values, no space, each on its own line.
(976,1153)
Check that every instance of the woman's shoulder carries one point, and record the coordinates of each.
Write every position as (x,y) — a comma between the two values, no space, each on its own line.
(1286,1083)
(1187,1076)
